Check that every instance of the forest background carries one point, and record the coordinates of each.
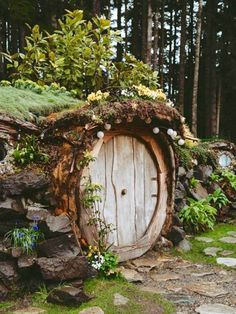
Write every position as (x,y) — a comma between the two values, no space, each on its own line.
(191,43)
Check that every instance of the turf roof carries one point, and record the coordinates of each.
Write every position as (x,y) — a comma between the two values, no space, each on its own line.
(28,105)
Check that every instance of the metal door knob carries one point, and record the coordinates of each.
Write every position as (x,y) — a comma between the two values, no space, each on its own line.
(124,192)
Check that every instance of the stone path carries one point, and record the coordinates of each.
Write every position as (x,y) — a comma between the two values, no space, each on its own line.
(194,288)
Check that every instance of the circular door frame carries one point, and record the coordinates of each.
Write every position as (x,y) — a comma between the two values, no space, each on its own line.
(160,213)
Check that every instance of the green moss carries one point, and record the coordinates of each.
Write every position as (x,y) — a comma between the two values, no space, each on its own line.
(28,105)
(197,255)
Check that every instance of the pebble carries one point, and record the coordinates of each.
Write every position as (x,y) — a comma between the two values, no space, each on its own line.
(227,261)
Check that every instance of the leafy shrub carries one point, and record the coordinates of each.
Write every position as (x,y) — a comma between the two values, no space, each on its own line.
(25,238)
(80,57)
(200,152)
(193,183)
(224,175)
(218,198)
(198,215)
(28,151)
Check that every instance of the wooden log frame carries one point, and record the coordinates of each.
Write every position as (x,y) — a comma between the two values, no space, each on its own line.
(67,184)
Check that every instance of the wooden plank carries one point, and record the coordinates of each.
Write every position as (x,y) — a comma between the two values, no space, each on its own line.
(123,178)
(110,199)
(139,171)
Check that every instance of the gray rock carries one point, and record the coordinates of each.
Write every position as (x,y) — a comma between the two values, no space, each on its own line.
(175,235)
(228,240)
(189,174)
(211,251)
(8,273)
(67,295)
(30,310)
(208,289)
(185,245)
(180,191)
(204,239)
(16,252)
(226,253)
(131,275)
(61,246)
(58,223)
(164,277)
(199,192)
(59,269)
(119,299)
(179,298)
(227,261)
(203,172)
(232,233)
(11,208)
(181,172)
(4,292)
(37,212)
(26,261)
(216,308)
(23,183)
(92,310)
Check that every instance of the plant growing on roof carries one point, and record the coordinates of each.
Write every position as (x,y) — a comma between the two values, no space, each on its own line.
(80,57)
(86,159)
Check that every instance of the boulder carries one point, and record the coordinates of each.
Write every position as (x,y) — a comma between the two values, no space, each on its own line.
(203,172)
(4,252)
(37,212)
(181,172)
(26,262)
(65,268)
(180,191)
(61,246)
(60,224)
(4,292)
(184,245)
(199,192)
(6,226)
(175,235)
(68,295)
(8,273)
(23,183)
(12,208)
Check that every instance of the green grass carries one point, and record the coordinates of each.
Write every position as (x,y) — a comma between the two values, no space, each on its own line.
(22,104)
(197,255)
(102,292)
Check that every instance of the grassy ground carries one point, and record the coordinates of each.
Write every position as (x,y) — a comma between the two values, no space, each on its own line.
(103,292)
(20,103)
(197,255)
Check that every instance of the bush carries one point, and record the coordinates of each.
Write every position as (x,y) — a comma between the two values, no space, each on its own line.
(198,215)
(28,151)
(79,56)
(218,198)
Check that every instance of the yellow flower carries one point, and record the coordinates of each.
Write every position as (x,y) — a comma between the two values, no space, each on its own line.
(99,95)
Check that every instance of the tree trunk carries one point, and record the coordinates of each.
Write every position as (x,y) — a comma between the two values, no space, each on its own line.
(96,7)
(196,69)
(182,57)
(144,31)
(170,76)
(149,33)
(155,41)
(119,46)
(161,57)
(218,108)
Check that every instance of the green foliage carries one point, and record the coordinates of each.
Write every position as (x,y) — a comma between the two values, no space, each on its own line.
(80,57)
(26,104)
(4,83)
(28,151)
(25,238)
(198,215)
(193,183)
(200,152)
(91,194)
(218,198)
(224,175)
(230,177)
(84,162)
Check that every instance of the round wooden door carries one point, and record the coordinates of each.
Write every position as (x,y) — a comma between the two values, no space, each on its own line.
(130,176)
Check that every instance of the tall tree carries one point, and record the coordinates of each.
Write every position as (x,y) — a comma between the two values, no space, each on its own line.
(182,57)
(196,69)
